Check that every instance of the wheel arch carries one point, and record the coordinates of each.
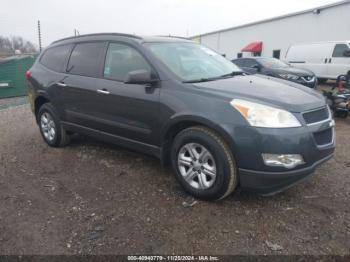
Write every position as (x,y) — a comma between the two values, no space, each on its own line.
(38,102)
(179,123)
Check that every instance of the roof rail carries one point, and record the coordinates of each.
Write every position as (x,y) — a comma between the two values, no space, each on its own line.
(97,34)
(174,36)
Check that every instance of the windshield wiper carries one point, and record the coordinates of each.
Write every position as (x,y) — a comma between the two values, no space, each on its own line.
(234,73)
(200,80)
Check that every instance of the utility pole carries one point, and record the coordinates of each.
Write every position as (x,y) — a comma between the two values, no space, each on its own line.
(39,35)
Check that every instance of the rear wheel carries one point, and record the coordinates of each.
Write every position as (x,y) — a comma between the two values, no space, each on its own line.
(203,163)
(50,126)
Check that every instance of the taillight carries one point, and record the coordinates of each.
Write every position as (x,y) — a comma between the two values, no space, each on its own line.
(28,74)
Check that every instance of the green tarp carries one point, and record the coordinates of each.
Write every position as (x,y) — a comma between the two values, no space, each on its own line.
(12,75)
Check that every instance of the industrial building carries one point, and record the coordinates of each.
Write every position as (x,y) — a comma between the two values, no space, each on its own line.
(272,37)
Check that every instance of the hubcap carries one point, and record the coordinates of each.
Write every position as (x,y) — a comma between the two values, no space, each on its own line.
(48,126)
(197,166)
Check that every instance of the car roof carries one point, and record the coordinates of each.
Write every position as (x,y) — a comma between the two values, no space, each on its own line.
(120,36)
(254,57)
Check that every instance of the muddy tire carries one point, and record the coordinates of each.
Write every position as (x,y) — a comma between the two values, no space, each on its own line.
(203,163)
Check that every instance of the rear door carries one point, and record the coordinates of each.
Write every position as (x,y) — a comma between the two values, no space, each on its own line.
(339,63)
(78,88)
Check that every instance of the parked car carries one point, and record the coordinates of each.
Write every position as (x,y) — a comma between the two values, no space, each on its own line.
(277,68)
(185,104)
(327,60)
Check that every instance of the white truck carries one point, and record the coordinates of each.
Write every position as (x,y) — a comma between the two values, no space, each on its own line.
(327,60)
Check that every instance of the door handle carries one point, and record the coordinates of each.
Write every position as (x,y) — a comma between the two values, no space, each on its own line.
(103,91)
(330,60)
(61,84)
(325,61)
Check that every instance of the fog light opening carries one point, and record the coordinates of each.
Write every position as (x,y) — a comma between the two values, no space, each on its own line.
(283,160)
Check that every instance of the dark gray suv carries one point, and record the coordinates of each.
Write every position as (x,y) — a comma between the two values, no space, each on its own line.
(185,104)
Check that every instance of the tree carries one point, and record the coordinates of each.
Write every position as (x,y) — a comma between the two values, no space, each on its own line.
(10,45)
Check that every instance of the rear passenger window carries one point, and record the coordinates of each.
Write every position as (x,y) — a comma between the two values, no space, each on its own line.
(339,50)
(84,59)
(54,57)
(122,59)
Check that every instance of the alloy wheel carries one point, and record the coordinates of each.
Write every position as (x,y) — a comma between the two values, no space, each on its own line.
(197,165)
(48,126)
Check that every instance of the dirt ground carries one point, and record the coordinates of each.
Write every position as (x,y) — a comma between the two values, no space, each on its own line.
(95,198)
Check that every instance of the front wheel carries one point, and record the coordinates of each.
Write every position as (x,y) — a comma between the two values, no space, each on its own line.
(203,163)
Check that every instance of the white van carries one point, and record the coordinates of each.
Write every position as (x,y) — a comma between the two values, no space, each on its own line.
(327,60)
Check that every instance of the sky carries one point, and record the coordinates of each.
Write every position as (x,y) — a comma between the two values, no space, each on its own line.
(59,18)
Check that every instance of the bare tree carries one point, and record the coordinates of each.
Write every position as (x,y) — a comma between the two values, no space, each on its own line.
(9,45)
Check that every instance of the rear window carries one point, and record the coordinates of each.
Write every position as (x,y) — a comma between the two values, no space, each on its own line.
(54,57)
(245,62)
(84,59)
(250,63)
(239,62)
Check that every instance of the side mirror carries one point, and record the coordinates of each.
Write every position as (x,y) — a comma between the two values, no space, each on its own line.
(140,77)
(346,53)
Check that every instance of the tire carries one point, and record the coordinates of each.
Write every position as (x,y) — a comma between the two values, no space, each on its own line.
(191,144)
(322,80)
(341,114)
(57,138)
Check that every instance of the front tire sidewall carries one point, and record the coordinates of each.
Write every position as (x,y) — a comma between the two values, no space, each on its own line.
(223,170)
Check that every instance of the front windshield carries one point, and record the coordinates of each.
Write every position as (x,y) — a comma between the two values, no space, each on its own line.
(272,63)
(191,61)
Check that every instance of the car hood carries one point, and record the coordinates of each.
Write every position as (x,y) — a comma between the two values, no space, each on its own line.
(293,70)
(271,91)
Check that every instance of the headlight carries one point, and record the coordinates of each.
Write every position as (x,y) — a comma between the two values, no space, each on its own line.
(289,76)
(264,116)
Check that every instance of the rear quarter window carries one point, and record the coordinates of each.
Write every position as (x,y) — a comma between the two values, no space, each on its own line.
(54,57)
(85,58)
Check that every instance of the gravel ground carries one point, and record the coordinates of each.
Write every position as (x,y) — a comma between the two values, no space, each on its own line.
(95,198)
(13,101)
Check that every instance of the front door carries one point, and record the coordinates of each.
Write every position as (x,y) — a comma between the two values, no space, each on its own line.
(339,63)
(127,110)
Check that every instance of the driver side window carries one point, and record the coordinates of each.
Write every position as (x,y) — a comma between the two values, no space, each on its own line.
(339,50)
(122,59)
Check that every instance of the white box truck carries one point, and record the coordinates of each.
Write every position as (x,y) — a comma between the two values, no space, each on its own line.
(327,60)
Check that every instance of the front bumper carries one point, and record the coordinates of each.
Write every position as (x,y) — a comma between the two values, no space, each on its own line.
(270,183)
(248,143)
